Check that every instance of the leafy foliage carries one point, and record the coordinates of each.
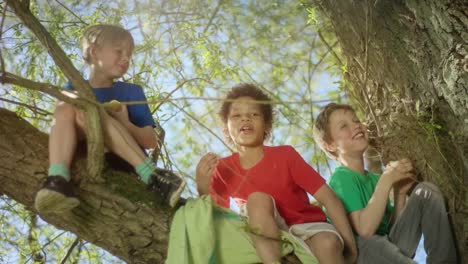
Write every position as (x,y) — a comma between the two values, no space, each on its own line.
(189,52)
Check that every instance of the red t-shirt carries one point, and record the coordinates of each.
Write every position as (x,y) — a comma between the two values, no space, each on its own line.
(281,173)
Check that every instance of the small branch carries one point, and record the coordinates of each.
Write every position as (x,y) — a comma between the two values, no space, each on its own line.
(364,85)
(71,12)
(167,98)
(49,89)
(201,124)
(330,48)
(213,15)
(34,109)
(47,244)
(70,250)
(2,62)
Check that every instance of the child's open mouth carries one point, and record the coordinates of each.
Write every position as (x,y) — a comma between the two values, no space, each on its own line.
(358,135)
(246,129)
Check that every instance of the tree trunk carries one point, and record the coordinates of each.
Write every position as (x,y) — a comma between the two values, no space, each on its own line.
(407,69)
(118,215)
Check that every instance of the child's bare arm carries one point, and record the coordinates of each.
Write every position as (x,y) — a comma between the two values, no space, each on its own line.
(337,213)
(144,136)
(205,168)
(367,220)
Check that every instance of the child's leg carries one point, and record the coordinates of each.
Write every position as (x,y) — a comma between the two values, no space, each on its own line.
(425,213)
(326,247)
(57,194)
(119,140)
(378,249)
(261,214)
(63,138)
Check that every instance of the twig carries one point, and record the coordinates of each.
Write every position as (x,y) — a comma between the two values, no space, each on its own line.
(70,250)
(330,48)
(201,124)
(364,85)
(213,15)
(36,110)
(47,244)
(273,102)
(2,62)
(174,90)
(76,16)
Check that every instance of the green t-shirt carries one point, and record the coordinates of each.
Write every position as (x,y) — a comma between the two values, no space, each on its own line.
(355,191)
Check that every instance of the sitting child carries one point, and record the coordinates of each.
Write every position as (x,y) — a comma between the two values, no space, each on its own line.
(385,234)
(270,184)
(128,130)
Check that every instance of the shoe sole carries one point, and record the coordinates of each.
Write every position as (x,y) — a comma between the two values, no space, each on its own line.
(48,201)
(175,196)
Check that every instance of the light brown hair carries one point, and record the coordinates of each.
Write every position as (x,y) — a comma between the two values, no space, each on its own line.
(103,34)
(322,133)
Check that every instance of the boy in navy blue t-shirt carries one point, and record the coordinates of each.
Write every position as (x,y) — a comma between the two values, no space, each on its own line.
(128,130)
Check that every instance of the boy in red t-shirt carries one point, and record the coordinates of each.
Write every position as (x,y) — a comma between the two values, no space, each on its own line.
(270,184)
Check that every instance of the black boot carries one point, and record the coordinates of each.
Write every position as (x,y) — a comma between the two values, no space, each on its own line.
(167,185)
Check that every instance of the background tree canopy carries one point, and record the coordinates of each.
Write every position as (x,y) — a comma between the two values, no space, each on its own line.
(402,65)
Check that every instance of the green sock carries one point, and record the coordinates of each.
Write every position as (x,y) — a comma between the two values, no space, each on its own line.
(145,169)
(59,169)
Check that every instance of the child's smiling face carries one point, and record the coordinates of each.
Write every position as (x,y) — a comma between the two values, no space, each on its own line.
(348,135)
(112,59)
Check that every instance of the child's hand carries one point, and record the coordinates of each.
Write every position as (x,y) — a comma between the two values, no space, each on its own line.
(402,187)
(121,115)
(399,170)
(205,168)
(351,258)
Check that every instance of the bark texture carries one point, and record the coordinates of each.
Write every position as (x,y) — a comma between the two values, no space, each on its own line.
(407,67)
(118,214)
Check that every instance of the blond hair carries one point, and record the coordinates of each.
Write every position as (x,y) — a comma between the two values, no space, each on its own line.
(103,34)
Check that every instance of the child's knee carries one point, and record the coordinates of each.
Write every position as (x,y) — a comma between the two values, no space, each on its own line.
(428,191)
(326,241)
(65,111)
(259,202)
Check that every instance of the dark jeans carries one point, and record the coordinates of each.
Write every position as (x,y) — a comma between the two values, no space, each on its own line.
(425,213)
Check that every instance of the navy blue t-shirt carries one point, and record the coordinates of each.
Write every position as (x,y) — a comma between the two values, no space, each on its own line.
(139,115)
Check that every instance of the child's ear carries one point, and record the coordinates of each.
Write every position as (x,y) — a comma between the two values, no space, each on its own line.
(92,50)
(330,147)
(226,132)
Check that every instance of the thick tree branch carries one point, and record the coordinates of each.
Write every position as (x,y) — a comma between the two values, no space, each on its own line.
(119,215)
(93,128)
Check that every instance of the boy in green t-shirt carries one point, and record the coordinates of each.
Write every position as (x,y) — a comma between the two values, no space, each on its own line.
(385,234)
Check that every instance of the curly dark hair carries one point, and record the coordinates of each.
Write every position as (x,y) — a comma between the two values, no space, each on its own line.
(250,90)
